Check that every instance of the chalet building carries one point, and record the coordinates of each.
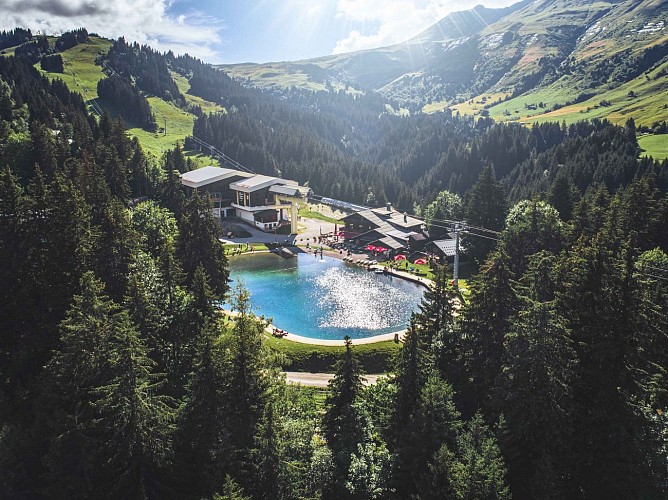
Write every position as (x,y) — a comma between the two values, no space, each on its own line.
(262,201)
(382,227)
(444,248)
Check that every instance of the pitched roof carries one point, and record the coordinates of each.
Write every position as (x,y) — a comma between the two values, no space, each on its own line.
(258,182)
(446,246)
(290,190)
(208,175)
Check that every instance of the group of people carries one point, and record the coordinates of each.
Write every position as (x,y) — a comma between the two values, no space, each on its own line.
(277,332)
(238,250)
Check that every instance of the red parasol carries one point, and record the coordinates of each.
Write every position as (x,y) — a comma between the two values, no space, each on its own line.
(400,257)
(420,261)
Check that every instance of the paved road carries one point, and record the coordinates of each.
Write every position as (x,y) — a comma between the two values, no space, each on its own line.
(320,379)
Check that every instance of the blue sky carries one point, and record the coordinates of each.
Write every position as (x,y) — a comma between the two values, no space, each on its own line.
(225,31)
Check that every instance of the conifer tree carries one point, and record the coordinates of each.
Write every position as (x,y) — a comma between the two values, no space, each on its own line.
(114,248)
(437,423)
(171,193)
(116,173)
(610,326)
(198,244)
(135,420)
(12,254)
(143,302)
(479,471)
(563,195)
(535,392)
(485,207)
(342,421)
(74,373)
(639,213)
(245,386)
(485,321)
(436,323)
(590,212)
(202,442)
(412,372)
(436,307)
(267,459)
(57,250)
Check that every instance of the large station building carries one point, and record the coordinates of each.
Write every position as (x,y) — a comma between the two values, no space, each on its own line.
(262,201)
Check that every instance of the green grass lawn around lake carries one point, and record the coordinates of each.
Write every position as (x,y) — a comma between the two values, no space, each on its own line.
(374,358)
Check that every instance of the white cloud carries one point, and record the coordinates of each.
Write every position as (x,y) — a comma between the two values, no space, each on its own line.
(144,21)
(396,20)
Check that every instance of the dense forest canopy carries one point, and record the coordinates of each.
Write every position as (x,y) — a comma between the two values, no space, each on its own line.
(119,378)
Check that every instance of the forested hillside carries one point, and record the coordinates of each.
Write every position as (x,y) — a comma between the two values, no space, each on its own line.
(354,147)
(532,62)
(119,377)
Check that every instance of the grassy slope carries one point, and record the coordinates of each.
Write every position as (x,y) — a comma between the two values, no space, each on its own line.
(647,107)
(82,75)
(306,212)
(279,75)
(655,146)
(622,34)
(179,125)
(184,87)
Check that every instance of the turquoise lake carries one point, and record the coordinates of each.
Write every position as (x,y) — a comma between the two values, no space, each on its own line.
(325,298)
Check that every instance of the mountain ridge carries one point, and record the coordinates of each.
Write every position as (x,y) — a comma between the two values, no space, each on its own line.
(541,56)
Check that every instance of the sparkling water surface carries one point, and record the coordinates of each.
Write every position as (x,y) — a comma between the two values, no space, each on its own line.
(325,298)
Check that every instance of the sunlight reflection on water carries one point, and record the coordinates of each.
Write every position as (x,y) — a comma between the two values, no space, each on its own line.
(325,298)
(353,300)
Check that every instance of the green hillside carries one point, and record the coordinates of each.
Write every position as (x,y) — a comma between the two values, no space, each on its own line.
(655,146)
(81,74)
(537,61)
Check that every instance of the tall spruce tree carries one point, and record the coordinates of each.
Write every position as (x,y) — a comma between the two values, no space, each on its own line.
(267,456)
(613,433)
(485,321)
(479,471)
(73,375)
(342,421)
(114,249)
(485,207)
(437,423)
(202,442)
(134,419)
(198,244)
(535,397)
(171,192)
(436,321)
(412,371)
(245,387)
(563,195)
(13,205)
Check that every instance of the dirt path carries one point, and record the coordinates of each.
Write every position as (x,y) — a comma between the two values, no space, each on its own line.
(321,379)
